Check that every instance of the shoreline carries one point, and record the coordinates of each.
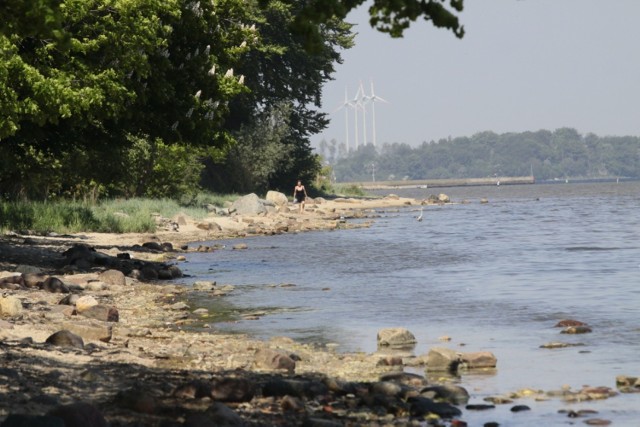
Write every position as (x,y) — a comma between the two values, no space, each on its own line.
(151,368)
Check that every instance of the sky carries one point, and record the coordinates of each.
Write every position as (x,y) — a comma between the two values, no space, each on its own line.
(523,65)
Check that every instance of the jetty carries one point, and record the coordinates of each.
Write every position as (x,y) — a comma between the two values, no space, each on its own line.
(449,182)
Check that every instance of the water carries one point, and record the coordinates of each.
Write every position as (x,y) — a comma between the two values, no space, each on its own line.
(494,277)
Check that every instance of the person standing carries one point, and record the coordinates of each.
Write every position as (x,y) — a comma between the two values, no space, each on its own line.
(299,195)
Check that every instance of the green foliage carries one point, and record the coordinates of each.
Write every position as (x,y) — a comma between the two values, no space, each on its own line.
(549,155)
(155,169)
(387,16)
(146,89)
(135,215)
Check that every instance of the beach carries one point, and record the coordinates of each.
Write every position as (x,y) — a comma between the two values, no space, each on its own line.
(139,363)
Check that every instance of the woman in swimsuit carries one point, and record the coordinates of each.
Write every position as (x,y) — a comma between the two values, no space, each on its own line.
(299,195)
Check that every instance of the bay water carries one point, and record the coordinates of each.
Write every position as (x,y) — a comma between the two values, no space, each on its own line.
(493,276)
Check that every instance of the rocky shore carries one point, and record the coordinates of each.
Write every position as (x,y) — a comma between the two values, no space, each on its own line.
(93,334)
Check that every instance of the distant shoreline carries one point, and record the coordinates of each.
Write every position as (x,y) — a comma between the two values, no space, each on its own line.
(449,182)
(466,182)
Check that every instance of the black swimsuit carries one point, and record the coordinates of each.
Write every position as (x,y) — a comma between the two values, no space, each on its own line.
(300,195)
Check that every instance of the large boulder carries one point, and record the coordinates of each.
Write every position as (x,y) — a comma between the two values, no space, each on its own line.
(277,198)
(249,205)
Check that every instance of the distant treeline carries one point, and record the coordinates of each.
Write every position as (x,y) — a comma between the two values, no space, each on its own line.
(545,154)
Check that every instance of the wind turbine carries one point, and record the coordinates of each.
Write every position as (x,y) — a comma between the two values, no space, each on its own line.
(356,104)
(374,98)
(362,103)
(346,105)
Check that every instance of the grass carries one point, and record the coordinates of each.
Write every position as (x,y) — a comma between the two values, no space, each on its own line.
(135,215)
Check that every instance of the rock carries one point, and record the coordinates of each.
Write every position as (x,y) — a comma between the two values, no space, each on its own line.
(11,281)
(79,414)
(179,306)
(576,330)
(113,278)
(443,198)
(484,201)
(175,271)
(386,388)
(137,400)
(85,302)
(34,280)
(65,338)
(90,329)
(154,246)
(450,393)
(277,198)
(421,406)
(101,312)
(223,416)
(248,205)
(569,322)
(233,390)
(395,337)
(149,273)
(479,360)
(405,378)
(627,384)
(70,299)
(28,269)
(54,285)
(442,359)
(95,286)
(274,360)
(552,345)
(520,408)
(240,246)
(203,285)
(479,407)
(10,306)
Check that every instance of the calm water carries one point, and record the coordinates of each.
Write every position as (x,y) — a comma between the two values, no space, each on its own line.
(494,277)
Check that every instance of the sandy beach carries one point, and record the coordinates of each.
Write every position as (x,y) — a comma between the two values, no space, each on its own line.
(132,370)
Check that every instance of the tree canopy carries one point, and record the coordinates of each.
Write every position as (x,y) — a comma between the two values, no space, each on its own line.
(132,83)
(563,153)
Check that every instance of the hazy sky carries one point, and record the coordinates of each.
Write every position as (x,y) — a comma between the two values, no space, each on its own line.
(522,65)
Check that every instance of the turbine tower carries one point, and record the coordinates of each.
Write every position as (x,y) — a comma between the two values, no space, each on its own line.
(362,103)
(374,98)
(356,105)
(346,105)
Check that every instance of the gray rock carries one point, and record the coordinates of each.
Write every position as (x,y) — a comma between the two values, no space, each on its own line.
(65,338)
(90,329)
(395,337)
(179,306)
(249,205)
(113,278)
(277,198)
(479,360)
(450,393)
(29,269)
(442,359)
(102,312)
(55,285)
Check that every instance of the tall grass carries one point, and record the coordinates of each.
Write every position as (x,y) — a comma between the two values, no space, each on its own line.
(109,216)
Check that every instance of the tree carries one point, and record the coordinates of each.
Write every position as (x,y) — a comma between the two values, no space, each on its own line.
(388,16)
